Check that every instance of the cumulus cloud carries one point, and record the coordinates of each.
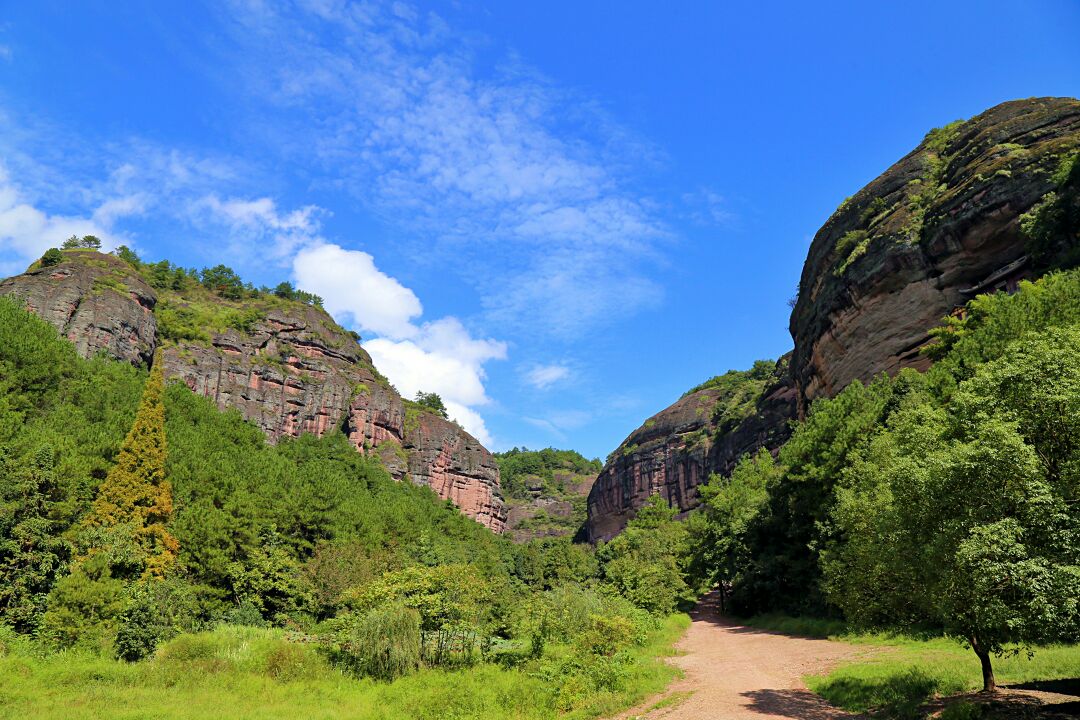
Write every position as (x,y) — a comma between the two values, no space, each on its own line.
(441,357)
(352,286)
(542,377)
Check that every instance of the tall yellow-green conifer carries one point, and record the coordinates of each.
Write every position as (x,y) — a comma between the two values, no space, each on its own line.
(136,492)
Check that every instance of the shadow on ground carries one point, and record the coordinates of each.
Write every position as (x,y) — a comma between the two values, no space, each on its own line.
(801,704)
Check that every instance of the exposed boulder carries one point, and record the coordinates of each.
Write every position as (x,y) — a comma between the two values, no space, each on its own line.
(96,301)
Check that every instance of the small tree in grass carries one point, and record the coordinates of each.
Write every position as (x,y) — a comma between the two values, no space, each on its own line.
(384,643)
(52,257)
(432,402)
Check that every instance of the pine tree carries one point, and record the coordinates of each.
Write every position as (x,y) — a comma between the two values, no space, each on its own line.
(136,493)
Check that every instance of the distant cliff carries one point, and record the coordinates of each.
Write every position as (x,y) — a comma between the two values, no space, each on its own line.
(706,431)
(285,365)
(938,227)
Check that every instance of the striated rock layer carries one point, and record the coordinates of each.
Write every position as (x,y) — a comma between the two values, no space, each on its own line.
(898,256)
(290,370)
(938,226)
(97,302)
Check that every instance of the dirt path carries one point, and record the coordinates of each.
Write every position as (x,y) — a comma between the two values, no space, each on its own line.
(734,672)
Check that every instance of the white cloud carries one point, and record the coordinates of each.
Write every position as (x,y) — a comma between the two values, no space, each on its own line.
(258,222)
(542,377)
(442,357)
(439,356)
(5,52)
(27,231)
(351,285)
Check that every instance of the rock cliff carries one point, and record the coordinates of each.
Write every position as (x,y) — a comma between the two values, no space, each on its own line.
(285,366)
(897,256)
(96,301)
(939,226)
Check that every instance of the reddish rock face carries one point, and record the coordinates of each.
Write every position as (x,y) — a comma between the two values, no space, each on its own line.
(939,221)
(290,372)
(456,466)
(96,301)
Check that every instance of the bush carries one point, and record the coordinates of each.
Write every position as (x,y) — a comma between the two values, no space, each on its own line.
(52,257)
(383,644)
(156,611)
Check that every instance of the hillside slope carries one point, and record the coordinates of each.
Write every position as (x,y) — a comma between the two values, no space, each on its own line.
(284,364)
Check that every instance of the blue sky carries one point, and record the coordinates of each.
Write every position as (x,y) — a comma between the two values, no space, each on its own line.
(558,215)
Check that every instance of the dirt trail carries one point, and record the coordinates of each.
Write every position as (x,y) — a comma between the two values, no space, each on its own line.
(734,672)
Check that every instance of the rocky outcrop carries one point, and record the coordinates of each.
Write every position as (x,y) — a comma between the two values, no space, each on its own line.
(676,450)
(285,366)
(896,258)
(456,466)
(937,227)
(96,301)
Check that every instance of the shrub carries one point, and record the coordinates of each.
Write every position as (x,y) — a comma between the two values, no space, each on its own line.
(52,257)
(383,644)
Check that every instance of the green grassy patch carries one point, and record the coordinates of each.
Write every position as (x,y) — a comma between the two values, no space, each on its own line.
(909,671)
(234,672)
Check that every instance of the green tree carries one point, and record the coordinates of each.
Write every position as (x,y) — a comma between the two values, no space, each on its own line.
(222,280)
(965,517)
(271,581)
(432,402)
(453,602)
(644,562)
(32,552)
(719,553)
(384,643)
(52,257)
(136,494)
(87,242)
(129,256)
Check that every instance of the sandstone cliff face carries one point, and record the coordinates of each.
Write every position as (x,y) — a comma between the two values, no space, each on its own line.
(893,260)
(677,449)
(289,370)
(889,264)
(96,301)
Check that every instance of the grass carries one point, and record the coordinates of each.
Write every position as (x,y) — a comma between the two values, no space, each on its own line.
(909,671)
(237,673)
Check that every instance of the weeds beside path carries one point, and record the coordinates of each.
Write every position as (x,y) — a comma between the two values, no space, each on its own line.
(733,671)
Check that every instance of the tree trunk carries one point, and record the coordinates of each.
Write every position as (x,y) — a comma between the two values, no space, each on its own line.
(989,683)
